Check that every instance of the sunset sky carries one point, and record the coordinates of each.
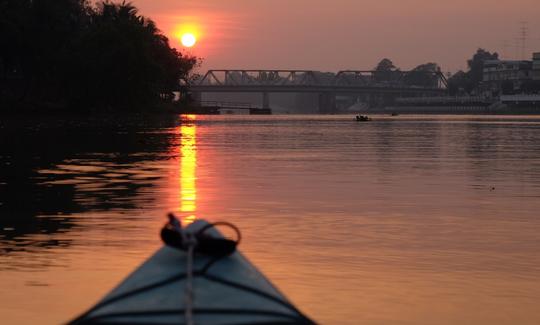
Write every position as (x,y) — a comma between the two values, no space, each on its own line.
(345,34)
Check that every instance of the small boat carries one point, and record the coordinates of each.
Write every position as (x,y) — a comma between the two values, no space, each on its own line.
(363,118)
(207,283)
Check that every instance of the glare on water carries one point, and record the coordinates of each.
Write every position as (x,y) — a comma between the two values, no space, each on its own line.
(188,166)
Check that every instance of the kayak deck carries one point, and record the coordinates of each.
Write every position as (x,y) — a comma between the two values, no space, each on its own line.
(229,290)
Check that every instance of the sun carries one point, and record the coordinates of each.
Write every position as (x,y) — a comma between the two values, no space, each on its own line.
(188,39)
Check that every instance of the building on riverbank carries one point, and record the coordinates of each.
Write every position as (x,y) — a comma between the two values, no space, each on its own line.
(536,66)
(442,105)
(498,72)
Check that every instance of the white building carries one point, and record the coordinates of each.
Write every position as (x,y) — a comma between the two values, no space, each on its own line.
(498,71)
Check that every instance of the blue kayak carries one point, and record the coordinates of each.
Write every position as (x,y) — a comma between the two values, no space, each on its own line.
(174,288)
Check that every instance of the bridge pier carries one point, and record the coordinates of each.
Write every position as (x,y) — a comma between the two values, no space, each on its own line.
(265,100)
(196,96)
(327,103)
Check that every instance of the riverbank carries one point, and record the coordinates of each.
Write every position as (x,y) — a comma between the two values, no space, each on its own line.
(50,109)
(464,110)
(503,105)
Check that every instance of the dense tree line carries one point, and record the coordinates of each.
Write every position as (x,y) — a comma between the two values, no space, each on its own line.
(468,81)
(460,83)
(424,75)
(70,53)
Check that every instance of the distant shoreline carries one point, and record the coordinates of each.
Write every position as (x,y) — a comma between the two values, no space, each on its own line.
(462,110)
(172,109)
(50,110)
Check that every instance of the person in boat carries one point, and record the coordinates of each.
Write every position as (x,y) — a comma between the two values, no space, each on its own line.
(362,118)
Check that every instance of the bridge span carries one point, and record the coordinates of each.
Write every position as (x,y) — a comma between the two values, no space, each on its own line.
(372,86)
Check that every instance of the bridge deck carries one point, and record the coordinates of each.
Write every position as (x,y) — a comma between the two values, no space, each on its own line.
(313,89)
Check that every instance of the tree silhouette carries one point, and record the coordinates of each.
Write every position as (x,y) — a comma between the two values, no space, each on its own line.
(476,65)
(386,71)
(67,53)
(459,83)
(424,75)
(470,80)
(385,65)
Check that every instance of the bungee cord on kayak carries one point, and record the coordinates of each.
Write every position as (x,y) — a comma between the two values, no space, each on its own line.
(210,250)
(173,235)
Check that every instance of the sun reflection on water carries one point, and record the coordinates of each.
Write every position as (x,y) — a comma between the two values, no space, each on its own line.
(188,167)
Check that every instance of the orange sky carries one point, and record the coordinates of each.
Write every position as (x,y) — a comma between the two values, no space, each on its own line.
(331,35)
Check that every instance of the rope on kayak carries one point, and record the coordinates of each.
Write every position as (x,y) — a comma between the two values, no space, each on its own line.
(174,235)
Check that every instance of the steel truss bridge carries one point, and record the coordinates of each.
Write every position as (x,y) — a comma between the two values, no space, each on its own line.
(374,85)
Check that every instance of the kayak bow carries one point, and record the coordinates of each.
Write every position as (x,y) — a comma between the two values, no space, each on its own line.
(223,290)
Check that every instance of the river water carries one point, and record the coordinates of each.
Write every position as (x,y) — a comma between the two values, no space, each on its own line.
(401,220)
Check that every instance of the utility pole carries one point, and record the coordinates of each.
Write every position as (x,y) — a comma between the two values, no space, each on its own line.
(516,48)
(504,53)
(523,35)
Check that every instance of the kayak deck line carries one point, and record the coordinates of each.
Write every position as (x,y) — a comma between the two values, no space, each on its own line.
(201,311)
(182,277)
(226,290)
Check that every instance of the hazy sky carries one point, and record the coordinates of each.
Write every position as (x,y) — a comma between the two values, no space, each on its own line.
(332,35)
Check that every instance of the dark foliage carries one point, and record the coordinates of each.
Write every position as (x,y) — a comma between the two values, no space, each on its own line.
(67,53)
(386,71)
(424,75)
(476,65)
(468,81)
(459,83)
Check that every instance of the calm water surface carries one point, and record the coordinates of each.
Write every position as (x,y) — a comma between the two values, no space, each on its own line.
(402,220)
